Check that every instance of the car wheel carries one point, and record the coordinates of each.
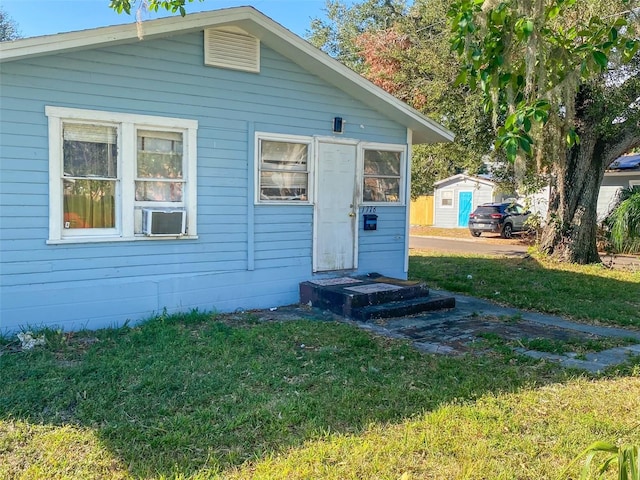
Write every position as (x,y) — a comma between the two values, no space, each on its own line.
(475,234)
(507,231)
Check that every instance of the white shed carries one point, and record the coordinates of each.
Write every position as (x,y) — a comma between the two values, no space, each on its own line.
(457,196)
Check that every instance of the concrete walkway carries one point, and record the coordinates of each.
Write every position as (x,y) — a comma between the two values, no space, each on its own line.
(465,328)
(458,330)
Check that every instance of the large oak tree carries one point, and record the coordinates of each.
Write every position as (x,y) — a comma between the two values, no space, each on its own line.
(562,80)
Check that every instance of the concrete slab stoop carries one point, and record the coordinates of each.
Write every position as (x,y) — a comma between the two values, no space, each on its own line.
(371,297)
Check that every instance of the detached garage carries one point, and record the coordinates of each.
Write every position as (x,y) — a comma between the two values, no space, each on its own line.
(457,196)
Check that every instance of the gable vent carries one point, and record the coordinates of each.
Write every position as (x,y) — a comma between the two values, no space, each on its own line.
(233,49)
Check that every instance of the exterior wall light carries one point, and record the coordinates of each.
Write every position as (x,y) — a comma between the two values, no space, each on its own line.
(337,124)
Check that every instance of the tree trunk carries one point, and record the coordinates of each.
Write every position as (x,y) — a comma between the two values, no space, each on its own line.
(571,225)
(570,231)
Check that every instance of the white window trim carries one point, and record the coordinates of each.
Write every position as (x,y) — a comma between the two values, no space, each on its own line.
(634,183)
(127,124)
(441,198)
(277,137)
(390,147)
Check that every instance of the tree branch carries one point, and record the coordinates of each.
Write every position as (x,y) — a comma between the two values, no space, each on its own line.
(628,139)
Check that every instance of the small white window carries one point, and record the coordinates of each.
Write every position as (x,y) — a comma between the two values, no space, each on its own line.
(446,198)
(105,168)
(283,169)
(383,174)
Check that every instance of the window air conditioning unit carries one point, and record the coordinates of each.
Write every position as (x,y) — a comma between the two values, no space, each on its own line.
(163,223)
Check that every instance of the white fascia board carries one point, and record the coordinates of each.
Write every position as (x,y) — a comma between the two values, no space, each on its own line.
(118,34)
(255,23)
(449,179)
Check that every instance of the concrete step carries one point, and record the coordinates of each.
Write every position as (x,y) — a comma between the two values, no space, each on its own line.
(356,297)
(404,308)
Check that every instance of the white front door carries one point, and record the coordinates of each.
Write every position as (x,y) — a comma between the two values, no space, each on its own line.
(335,208)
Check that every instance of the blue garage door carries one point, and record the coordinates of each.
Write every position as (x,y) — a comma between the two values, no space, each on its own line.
(464,208)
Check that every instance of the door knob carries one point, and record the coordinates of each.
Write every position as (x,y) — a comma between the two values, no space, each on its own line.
(352,214)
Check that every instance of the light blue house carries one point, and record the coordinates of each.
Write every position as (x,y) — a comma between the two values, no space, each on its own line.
(212,161)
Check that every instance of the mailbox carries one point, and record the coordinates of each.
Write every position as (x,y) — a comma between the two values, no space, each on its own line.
(370,221)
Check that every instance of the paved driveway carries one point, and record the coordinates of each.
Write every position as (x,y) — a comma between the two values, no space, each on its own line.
(480,246)
(459,245)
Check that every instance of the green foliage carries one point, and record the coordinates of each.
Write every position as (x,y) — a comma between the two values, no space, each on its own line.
(337,34)
(8,27)
(626,458)
(527,59)
(561,79)
(172,6)
(623,224)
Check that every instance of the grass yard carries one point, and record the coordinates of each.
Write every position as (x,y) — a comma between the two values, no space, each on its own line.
(202,396)
(198,396)
(592,293)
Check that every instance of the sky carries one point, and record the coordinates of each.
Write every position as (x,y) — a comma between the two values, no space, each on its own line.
(45,17)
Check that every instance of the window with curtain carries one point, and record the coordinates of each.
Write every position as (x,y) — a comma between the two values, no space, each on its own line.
(90,176)
(382,176)
(283,170)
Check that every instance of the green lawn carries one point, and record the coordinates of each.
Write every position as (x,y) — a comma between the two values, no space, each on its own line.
(201,396)
(592,293)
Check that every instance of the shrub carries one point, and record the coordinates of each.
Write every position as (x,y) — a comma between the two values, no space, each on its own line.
(622,226)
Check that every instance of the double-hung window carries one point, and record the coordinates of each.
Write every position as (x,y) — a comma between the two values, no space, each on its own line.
(383,173)
(283,169)
(159,166)
(90,178)
(106,169)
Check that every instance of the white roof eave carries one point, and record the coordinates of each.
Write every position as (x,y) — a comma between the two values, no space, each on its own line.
(118,34)
(274,35)
(461,176)
(623,173)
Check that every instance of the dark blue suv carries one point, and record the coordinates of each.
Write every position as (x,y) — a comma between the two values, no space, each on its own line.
(503,218)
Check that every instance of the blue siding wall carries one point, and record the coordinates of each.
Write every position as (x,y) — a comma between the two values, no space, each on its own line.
(382,250)
(246,256)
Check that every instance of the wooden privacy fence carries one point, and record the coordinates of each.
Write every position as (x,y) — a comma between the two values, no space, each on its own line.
(421,211)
